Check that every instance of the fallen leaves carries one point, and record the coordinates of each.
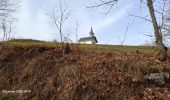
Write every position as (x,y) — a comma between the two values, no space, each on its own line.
(81,74)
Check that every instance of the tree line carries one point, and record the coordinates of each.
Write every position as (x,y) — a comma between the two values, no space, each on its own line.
(7,18)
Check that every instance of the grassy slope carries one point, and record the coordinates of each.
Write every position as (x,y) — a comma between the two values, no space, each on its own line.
(87,72)
(98,48)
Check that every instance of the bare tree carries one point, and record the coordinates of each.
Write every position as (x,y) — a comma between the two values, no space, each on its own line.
(162,54)
(76,30)
(166,28)
(7,10)
(4,31)
(7,28)
(59,14)
(122,41)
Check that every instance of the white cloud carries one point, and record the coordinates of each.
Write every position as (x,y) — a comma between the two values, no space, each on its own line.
(34,24)
(122,13)
(98,21)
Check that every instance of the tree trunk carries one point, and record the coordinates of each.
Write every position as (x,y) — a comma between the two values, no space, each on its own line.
(162,54)
(3,37)
(61,36)
(4,31)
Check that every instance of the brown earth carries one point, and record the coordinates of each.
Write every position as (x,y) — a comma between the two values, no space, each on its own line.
(79,75)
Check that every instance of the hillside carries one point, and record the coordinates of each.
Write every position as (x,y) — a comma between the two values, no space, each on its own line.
(87,72)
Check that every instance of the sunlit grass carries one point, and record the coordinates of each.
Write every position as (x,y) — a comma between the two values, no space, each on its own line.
(88,47)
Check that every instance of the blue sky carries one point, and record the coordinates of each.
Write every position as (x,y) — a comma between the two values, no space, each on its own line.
(33,23)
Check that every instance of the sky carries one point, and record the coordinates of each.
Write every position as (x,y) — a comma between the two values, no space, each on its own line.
(32,22)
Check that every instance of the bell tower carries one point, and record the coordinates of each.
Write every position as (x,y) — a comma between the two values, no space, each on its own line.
(91,32)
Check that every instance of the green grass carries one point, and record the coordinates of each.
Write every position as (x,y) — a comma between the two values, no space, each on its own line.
(95,48)
(29,42)
(7,98)
(115,48)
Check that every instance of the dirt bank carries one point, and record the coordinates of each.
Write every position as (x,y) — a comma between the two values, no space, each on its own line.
(79,75)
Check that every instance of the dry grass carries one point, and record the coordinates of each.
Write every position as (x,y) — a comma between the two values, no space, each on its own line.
(88,72)
(87,47)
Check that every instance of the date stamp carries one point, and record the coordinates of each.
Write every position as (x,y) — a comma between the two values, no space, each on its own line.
(15,91)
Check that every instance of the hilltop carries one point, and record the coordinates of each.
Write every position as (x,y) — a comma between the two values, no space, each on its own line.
(87,72)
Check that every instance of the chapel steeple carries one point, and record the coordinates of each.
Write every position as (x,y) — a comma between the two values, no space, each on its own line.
(91,32)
